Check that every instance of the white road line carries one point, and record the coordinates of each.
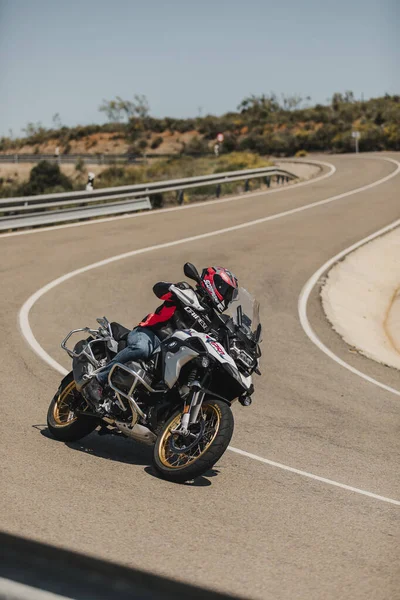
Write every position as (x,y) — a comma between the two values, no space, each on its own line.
(309,286)
(332,170)
(13,590)
(30,338)
(315,477)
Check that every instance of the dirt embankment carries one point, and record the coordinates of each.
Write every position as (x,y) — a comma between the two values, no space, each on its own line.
(168,142)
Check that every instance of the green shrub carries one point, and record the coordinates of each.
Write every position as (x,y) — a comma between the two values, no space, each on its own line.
(80,165)
(156,142)
(230,143)
(255,143)
(240,160)
(197,145)
(44,178)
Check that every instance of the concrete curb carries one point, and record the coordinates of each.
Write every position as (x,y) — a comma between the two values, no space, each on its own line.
(362,301)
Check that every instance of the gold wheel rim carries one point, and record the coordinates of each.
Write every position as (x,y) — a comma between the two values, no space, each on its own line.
(62,413)
(173,460)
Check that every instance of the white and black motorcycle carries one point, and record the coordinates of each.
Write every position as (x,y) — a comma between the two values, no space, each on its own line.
(180,400)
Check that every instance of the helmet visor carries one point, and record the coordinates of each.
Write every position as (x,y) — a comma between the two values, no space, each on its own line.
(227,291)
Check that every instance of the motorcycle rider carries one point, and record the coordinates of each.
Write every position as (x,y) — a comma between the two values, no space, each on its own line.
(217,289)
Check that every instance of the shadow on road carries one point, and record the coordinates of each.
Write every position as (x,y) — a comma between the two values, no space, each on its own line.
(66,574)
(121,449)
(202,481)
(109,447)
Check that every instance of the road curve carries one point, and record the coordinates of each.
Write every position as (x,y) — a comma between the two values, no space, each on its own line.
(252,529)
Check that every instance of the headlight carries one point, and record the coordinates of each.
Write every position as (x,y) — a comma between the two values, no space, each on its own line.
(247,360)
(205,362)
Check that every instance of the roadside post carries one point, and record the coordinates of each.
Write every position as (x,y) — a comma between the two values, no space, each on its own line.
(90,182)
(217,147)
(356,135)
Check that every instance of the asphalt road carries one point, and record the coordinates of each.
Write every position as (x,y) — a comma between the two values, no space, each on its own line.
(250,529)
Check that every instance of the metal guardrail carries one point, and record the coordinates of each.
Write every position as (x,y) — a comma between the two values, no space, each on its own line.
(67,215)
(27,211)
(93,159)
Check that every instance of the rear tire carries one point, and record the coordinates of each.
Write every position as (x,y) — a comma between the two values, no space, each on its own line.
(63,423)
(172,466)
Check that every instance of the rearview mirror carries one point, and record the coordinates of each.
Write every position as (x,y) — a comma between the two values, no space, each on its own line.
(191,271)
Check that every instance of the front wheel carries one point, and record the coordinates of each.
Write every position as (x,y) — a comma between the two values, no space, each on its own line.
(180,459)
(63,418)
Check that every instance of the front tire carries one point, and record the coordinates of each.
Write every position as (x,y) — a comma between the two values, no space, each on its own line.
(170,459)
(62,419)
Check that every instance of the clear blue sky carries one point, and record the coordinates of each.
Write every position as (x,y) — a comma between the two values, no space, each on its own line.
(65,57)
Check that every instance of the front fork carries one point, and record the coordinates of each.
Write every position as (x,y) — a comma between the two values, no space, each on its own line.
(191,411)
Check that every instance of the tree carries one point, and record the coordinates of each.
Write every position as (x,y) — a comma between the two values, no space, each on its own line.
(119,109)
(35,132)
(57,121)
(140,106)
(259,106)
(348,96)
(112,109)
(32,129)
(292,102)
(338,99)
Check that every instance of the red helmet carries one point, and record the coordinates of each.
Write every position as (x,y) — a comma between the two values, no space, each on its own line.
(221,285)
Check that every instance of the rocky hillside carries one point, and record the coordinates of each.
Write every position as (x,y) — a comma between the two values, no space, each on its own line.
(262,124)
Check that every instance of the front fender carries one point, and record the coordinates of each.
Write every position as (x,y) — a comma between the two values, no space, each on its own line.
(67,379)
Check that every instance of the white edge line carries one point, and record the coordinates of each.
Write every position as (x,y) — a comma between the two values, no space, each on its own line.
(309,286)
(205,203)
(14,590)
(30,338)
(315,477)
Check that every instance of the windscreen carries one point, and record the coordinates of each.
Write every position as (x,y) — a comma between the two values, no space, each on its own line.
(250,309)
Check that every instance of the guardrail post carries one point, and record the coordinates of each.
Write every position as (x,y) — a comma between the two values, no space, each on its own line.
(180,196)
(16,158)
(247,185)
(218,190)
(267,181)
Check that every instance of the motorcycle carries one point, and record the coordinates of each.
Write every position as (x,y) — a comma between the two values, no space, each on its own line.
(180,400)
